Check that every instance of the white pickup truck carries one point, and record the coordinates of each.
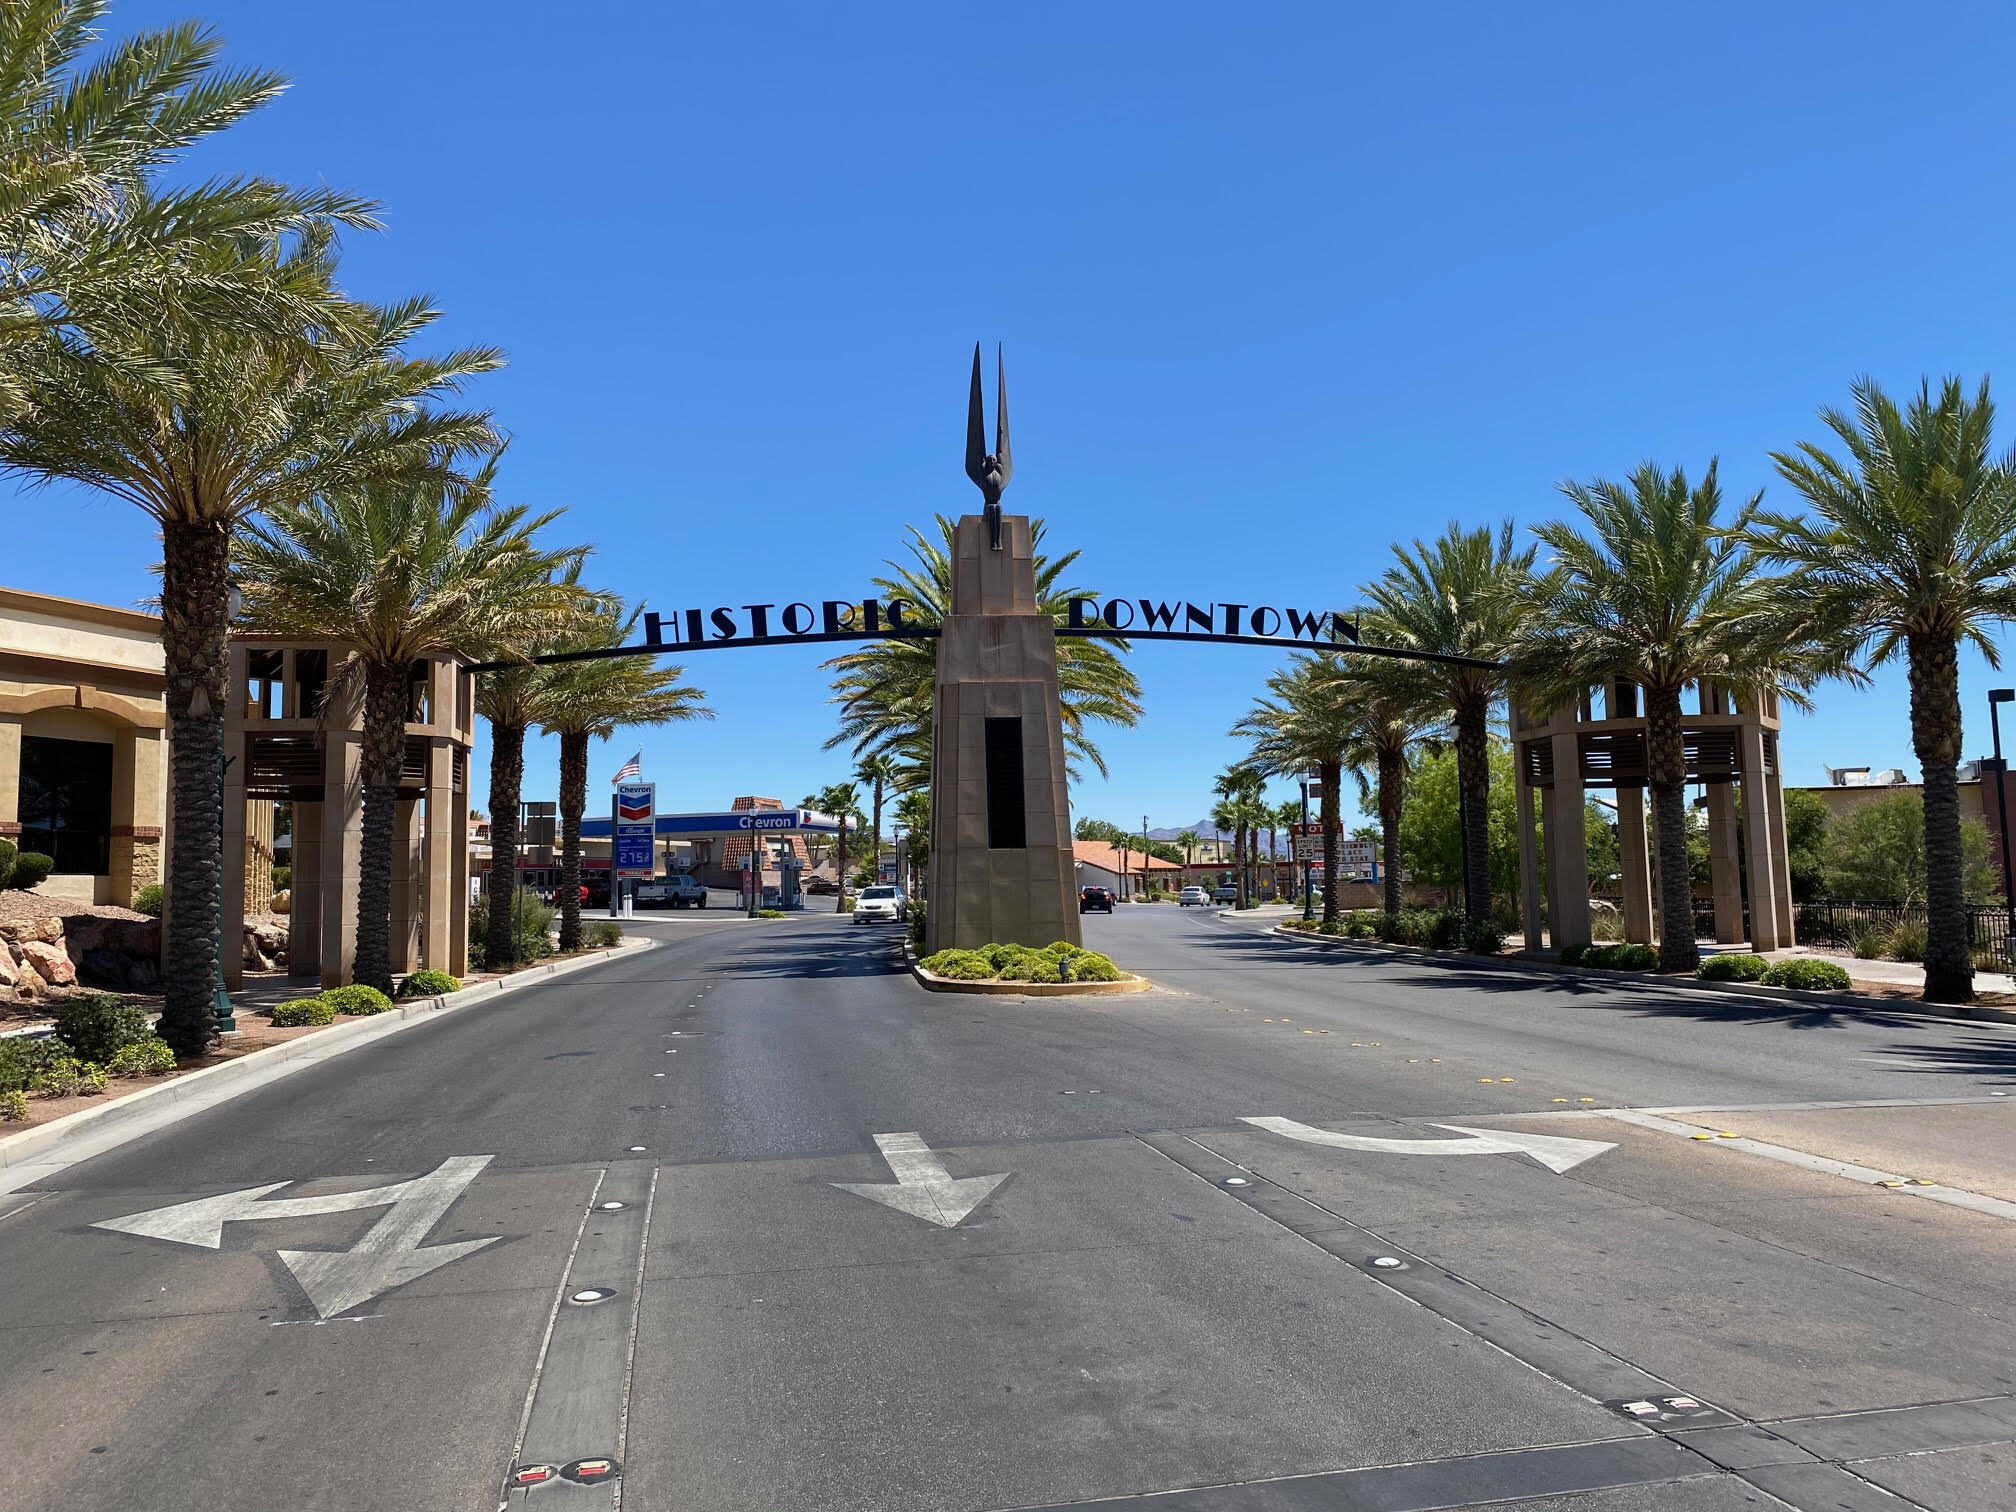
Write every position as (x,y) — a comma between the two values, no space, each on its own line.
(674,890)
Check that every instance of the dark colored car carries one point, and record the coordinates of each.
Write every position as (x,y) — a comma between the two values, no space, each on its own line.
(1090,898)
(821,885)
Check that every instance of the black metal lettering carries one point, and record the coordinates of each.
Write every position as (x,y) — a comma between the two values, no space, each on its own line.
(654,633)
(834,622)
(1338,627)
(1232,617)
(1158,616)
(1254,620)
(1311,625)
(871,616)
(724,624)
(1077,619)
(694,634)
(759,619)
(1200,619)
(1113,610)
(795,628)
(896,608)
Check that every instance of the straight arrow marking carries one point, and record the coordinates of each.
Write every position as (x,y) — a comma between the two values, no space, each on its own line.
(1554,1151)
(923,1188)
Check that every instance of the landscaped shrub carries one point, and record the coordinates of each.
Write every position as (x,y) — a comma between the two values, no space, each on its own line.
(91,1080)
(1091,966)
(30,869)
(769,913)
(1871,942)
(1814,976)
(1611,957)
(1339,927)
(150,900)
(1035,966)
(1739,967)
(916,923)
(24,1062)
(1907,941)
(357,999)
(148,1057)
(602,936)
(1483,937)
(8,850)
(13,1107)
(1445,931)
(283,878)
(964,965)
(98,1025)
(59,1076)
(428,984)
(309,1010)
(1575,955)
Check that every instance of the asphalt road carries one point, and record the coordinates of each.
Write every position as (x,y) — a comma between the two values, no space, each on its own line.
(763,1225)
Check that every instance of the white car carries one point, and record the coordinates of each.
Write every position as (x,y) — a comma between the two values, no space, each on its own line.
(880,905)
(1195,895)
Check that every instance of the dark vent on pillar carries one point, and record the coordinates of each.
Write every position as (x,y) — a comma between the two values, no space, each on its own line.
(1007,823)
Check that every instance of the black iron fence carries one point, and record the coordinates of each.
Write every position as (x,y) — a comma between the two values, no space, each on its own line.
(1843,923)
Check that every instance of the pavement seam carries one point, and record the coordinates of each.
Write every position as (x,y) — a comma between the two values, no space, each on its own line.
(552,1314)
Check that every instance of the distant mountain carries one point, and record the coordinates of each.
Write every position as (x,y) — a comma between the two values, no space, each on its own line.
(1205,829)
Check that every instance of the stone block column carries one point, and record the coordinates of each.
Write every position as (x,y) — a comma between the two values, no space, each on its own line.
(342,847)
(1634,866)
(1761,839)
(1568,843)
(304,922)
(1725,873)
(233,936)
(406,879)
(1529,856)
(10,777)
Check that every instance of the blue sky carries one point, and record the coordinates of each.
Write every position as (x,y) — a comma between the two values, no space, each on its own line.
(1278,285)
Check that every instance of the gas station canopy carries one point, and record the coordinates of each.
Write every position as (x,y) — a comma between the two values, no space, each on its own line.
(731,822)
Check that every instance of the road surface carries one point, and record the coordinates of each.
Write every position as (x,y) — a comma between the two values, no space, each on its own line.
(750,1223)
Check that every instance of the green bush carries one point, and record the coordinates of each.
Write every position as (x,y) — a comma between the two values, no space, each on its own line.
(1091,966)
(1871,941)
(1739,967)
(357,1000)
(1335,927)
(301,1011)
(1611,957)
(96,1026)
(30,869)
(13,1107)
(8,850)
(1035,966)
(531,931)
(148,1057)
(428,984)
(59,1077)
(27,1065)
(602,936)
(1484,938)
(1445,931)
(91,1080)
(769,913)
(1907,941)
(963,965)
(283,878)
(150,900)
(1807,973)
(916,924)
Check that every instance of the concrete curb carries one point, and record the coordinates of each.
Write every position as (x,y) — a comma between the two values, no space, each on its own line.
(103,1126)
(1749,990)
(930,981)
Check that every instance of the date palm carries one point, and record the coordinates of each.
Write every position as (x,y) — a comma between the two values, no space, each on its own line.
(913,812)
(202,427)
(881,772)
(886,690)
(595,699)
(1910,545)
(1652,587)
(1466,595)
(1240,810)
(85,233)
(1188,840)
(394,571)
(842,801)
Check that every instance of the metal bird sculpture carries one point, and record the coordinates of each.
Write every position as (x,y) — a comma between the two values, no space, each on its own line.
(990,471)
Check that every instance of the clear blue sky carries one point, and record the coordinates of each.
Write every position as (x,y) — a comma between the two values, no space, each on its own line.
(1277,284)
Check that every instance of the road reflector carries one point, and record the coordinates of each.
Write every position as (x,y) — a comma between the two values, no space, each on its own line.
(1700,1136)
(1641,1409)
(532,1475)
(1387,1262)
(1483,1080)
(1725,1134)
(1560,1099)
(1890,1183)
(1504,1078)
(1585,1099)
(1920,1181)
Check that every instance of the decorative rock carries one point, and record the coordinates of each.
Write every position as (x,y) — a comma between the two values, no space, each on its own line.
(49,931)
(136,937)
(9,974)
(282,901)
(119,971)
(50,963)
(30,984)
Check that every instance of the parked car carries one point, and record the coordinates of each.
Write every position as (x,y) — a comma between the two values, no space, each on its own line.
(880,905)
(673,890)
(1191,895)
(1225,893)
(1090,898)
(824,886)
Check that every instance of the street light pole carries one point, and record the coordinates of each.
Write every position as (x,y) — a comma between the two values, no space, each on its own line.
(1996,698)
(1308,867)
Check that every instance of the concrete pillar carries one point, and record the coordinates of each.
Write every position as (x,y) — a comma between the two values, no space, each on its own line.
(342,845)
(1781,859)
(1568,850)
(136,812)
(233,934)
(10,777)
(1529,855)
(1634,866)
(406,879)
(1761,840)
(304,922)
(455,898)
(1725,871)
(439,890)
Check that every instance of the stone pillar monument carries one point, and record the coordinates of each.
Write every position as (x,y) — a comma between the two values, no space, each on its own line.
(1001,863)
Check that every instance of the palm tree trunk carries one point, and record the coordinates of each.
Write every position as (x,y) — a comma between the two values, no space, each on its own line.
(839,851)
(507,782)
(1666,775)
(1329,777)
(1473,776)
(1935,738)
(195,603)
(875,860)
(1392,793)
(573,799)
(387,694)
(1239,858)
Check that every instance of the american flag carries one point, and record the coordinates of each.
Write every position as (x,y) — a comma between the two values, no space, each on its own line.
(634,767)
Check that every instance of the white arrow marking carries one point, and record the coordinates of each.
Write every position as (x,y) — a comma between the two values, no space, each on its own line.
(1554,1151)
(923,1188)
(388,1255)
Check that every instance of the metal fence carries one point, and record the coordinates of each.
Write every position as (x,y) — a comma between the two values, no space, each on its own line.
(1841,923)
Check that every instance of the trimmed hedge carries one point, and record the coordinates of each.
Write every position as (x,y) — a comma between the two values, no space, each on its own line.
(1805,972)
(31,869)
(1611,957)
(1059,961)
(302,1011)
(1740,967)
(429,984)
(357,1000)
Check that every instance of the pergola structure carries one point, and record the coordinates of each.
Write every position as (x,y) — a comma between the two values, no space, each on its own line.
(1731,750)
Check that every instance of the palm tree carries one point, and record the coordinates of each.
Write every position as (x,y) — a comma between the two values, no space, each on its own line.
(1465,597)
(394,571)
(1287,815)
(85,234)
(1658,592)
(596,698)
(886,690)
(1240,810)
(1304,722)
(879,770)
(842,801)
(1911,543)
(1391,712)
(200,427)
(913,812)
(1188,840)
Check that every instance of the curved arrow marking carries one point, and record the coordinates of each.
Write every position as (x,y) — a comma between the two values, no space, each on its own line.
(1554,1151)
(388,1255)
(923,1188)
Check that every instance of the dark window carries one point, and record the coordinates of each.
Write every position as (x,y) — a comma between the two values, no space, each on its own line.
(1007,827)
(311,675)
(66,803)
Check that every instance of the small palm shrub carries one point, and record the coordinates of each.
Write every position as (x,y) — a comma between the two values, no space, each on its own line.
(148,1057)
(1740,967)
(1606,927)
(1814,976)
(1871,942)
(8,851)
(429,984)
(357,999)
(150,900)
(1907,941)
(303,1011)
